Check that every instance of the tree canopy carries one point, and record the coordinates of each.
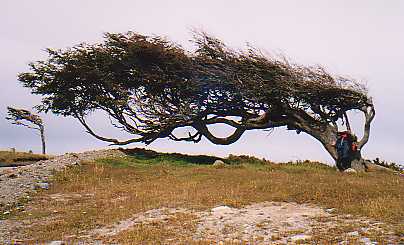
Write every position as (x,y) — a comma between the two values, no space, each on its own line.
(149,86)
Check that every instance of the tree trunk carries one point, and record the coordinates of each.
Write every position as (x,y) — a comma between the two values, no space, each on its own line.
(328,138)
(42,130)
(327,133)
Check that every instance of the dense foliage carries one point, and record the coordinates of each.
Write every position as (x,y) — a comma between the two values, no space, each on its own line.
(150,86)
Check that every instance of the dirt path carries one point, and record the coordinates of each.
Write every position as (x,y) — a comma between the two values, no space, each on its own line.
(20,182)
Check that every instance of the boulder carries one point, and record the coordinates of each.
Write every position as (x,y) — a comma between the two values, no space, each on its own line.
(359,165)
(350,170)
(219,164)
(363,165)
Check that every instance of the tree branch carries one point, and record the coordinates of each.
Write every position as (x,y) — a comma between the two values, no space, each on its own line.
(348,125)
(18,123)
(191,137)
(260,122)
(370,113)
(203,129)
(111,140)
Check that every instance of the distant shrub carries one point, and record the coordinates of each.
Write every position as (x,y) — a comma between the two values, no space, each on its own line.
(145,154)
(236,159)
(390,165)
(308,165)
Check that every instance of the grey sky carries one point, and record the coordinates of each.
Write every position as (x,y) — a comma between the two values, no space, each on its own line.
(362,39)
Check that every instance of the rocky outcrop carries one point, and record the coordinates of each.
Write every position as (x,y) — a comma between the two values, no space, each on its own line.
(19,182)
(359,165)
(364,165)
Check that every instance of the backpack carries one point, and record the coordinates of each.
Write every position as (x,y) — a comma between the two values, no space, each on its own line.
(344,145)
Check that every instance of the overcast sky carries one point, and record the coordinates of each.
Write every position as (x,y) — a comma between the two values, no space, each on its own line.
(363,39)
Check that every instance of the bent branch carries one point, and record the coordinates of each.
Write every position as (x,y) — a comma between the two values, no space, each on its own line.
(110,140)
(370,113)
(203,129)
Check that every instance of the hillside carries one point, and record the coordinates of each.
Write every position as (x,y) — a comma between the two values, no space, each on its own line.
(9,158)
(136,196)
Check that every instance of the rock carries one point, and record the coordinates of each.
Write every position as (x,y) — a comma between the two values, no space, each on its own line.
(219,164)
(12,176)
(221,209)
(366,241)
(76,163)
(74,155)
(56,243)
(350,170)
(374,167)
(359,165)
(330,210)
(43,185)
(353,233)
(300,237)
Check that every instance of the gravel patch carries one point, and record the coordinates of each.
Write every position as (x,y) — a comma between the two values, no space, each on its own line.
(20,182)
(259,223)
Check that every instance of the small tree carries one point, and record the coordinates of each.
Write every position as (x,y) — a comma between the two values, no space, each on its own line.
(150,86)
(27,119)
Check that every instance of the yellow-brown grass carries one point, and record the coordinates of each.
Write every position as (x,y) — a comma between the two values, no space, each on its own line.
(98,194)
(12,157)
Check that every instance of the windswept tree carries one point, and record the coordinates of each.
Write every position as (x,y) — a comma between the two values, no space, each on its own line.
(150,86)
(25,118)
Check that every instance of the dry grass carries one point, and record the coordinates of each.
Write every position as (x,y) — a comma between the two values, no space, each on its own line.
(13,157)
(176,228)
(96,194)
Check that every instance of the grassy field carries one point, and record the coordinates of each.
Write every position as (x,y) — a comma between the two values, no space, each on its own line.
(109,190)
(14,157)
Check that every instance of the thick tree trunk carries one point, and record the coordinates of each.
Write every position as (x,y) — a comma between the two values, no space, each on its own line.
(328,138)
(42,131)
(327,133)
